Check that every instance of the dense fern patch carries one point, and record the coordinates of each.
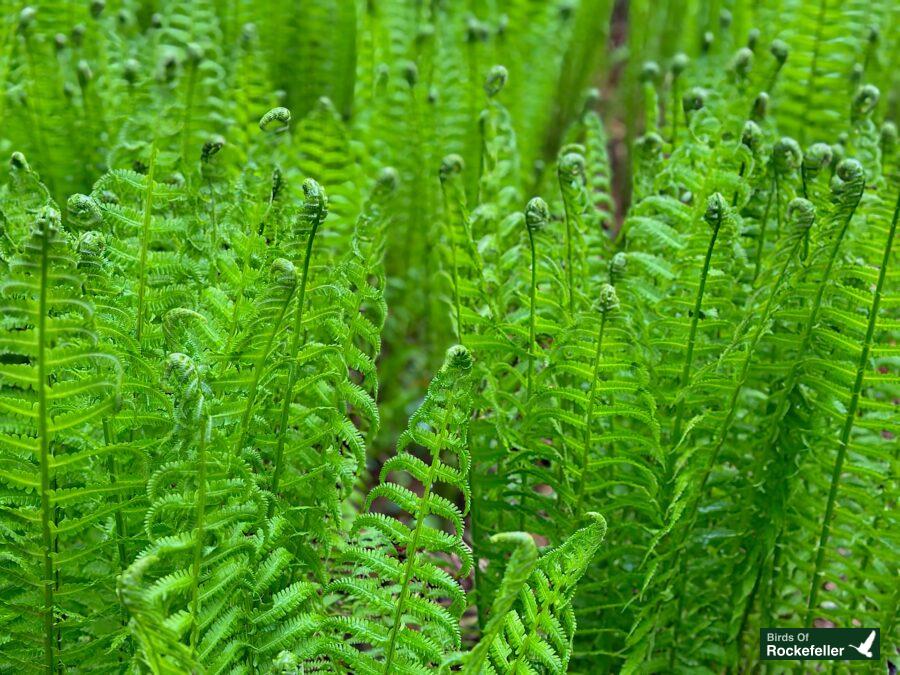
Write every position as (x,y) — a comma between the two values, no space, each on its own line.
(371,337)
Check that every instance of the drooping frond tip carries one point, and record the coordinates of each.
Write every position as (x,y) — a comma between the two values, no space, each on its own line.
(183,378)
(618,264)
(91,245)
(388,179)
(17,162)
(760,106)
(742,62)
(26,17)
(284,272)
(680,62)
(48,221)
(779,50)
(751,135)
(649,71)
(694,99)
(865,100)
(848,182)
(571,168)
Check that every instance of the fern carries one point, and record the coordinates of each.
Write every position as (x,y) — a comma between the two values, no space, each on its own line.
(661,236)
(58,382)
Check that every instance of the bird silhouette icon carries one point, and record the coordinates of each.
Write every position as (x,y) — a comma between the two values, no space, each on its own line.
(865,648)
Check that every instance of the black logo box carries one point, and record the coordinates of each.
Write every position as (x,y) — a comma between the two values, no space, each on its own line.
(819,644)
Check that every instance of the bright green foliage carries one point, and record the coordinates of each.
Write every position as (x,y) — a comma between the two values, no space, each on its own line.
(366,337)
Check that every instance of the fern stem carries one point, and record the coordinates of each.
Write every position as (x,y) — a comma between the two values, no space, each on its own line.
(675,97)
(454,208)
(849,420)
(745,616)
(214,219)
(777,208)
(145,244)
(457,303)
(198,543)
(119,518)
(745,367)
(570,279)
(531,317)
(257,374)
(761,240)
(768,600)
(94,129)
(813,70)
(692,335)
(47,538)
(589,418)
(36,127)
(478,547)
(292,372)
(239,295)
(188,110)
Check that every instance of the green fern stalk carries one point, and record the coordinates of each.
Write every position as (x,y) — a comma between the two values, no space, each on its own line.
(608,302)
(536,216)
(716,211)
(454,208)
(679,65)
(145,244)
(571,179)
(315,212)
(285,276)
(46,455)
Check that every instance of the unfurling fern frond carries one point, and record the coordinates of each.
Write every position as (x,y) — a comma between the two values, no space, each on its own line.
(400,596)
(518,571)
(535,635)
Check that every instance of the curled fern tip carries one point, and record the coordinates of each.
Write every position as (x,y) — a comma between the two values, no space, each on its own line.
(537,214)
(801,213)
(277,119)
(451,165)
(495,81)
(458,359)
(779,50)
(608,299)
